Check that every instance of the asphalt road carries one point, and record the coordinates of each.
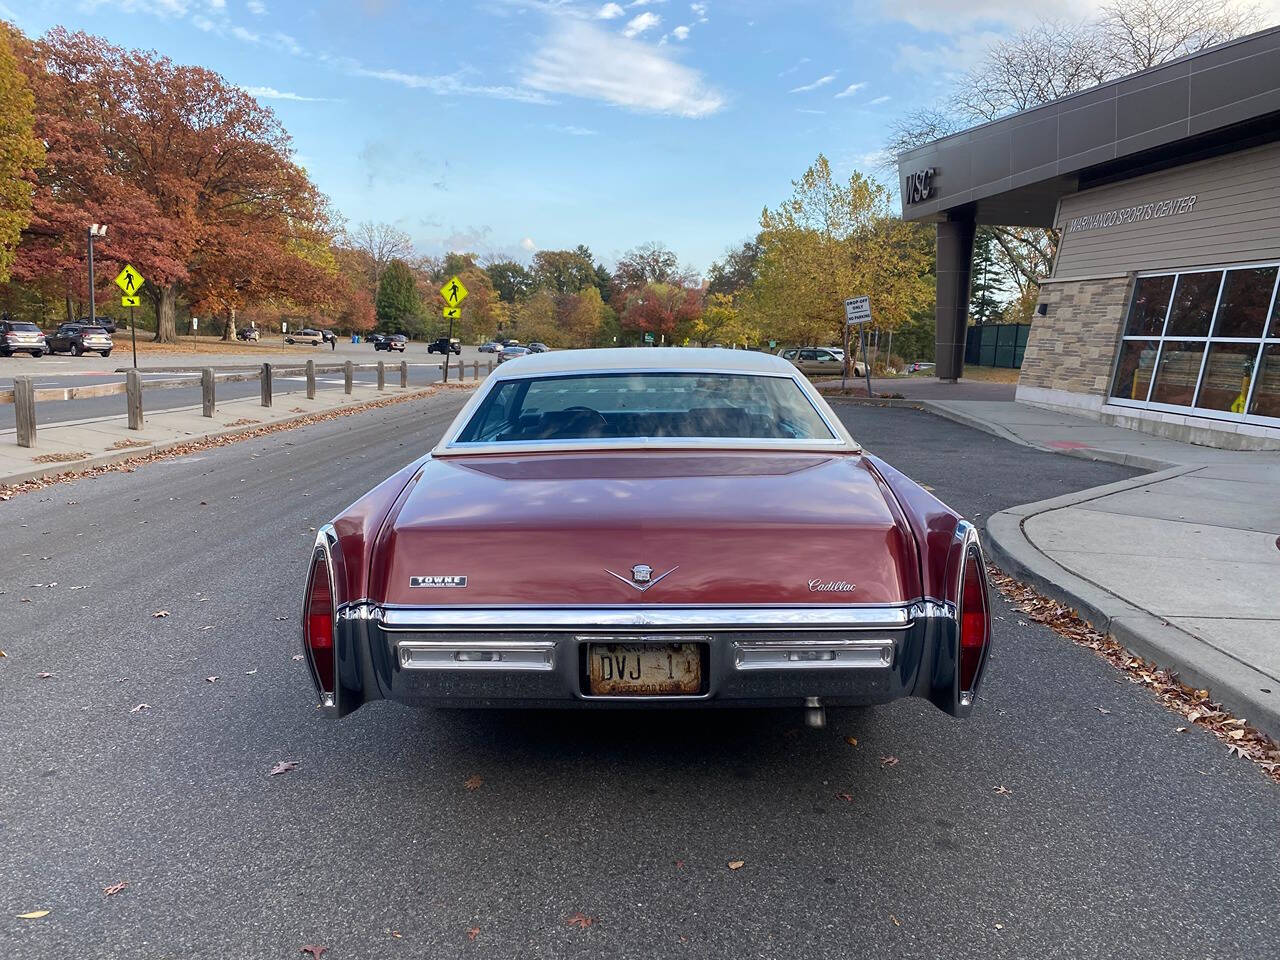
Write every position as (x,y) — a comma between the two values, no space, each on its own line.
(1121,838)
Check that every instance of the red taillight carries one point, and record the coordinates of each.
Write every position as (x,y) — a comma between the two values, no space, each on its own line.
(974,626)
(318,622)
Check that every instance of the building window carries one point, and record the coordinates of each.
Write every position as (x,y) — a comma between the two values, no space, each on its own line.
(1207,341)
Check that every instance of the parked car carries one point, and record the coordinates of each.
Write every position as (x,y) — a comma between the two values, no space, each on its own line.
(328,336)
(537,347)
(510,353)
(18,336)
(919,365)
(821,361)
(395,341)
(248,334)
(106,323)
(493,346)
(445,345)
(650,585)
(511,343)
(79,338)
(309,336)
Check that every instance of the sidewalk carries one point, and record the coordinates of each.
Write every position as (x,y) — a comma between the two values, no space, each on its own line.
(79,445)
(1182,564)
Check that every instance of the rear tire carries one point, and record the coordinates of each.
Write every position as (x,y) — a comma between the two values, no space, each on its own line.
(106,353)
(37,354)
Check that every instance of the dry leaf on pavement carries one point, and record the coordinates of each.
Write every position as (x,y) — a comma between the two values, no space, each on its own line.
(473,933)
(159,613)
(473,782)
(851,741)
(1002,790)
(1102,710)
(580,920)
(314,949)
(889,761)
(33,915)
(896,921)
(140,707)
(213,679)
(44,676)
(283,766)
(737,864)
(115,888)
(846,797)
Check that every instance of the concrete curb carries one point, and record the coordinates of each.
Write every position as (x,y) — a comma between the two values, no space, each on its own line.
(1242,689)
(107,459)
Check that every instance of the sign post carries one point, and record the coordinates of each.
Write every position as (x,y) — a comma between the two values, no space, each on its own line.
(130,283)
(857,312)
(454,292)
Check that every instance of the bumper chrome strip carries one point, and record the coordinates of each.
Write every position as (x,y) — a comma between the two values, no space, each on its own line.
(476,655)
(421,619)
(812,654)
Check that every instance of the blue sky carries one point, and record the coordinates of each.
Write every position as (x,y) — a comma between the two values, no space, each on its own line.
(505,126)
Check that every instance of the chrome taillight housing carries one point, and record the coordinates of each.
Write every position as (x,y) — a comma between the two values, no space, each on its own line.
(319,624)
(974,616)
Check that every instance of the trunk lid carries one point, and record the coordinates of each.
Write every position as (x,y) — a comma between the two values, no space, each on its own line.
(713,528)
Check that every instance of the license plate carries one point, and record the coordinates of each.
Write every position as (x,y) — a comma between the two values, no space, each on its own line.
(644,669)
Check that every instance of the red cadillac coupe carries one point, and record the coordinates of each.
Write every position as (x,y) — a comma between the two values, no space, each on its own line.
(647,527)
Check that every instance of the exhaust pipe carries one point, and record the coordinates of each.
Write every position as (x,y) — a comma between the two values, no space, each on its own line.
(815,714)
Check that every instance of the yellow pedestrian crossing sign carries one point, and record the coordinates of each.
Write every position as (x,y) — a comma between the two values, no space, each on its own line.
(130,280)
(453,292)
(130,301)
(452,313)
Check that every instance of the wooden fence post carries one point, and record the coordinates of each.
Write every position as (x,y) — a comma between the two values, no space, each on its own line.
(24,408)
(382,376)
(404,374)
(475,369)
(311,379)
(265,377)
(207,382)
(348,371)
(133,395)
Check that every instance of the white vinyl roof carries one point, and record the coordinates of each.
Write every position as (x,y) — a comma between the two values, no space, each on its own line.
(623,359)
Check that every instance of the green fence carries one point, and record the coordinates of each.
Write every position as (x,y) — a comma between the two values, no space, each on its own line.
(996,345)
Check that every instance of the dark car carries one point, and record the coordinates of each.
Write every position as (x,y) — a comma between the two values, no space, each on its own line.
(537,347)
(511,343)
(328,336)
(510,353)
(248,333)
(79,338)
(445,345)
(396,341)
(17,336)
(106,323)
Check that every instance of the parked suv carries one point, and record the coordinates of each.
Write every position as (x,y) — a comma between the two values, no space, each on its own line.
(79,338)
(17,336)
(395,341)
(445,345)
(313,337)
(106,323)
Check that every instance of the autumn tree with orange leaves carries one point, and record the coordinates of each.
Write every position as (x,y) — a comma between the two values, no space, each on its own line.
(194,177)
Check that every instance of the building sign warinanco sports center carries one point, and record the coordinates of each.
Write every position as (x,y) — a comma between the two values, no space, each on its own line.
(1138,213)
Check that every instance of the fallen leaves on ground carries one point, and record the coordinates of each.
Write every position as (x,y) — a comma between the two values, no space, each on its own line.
(60,457)
(214,679)
(115,888)
(140,707)
(846,797)
(283,766)
(889,761)
(473,933)
(45,675)
(160,614)
(737,864)
(1102,710)
(1003,791)
(33,915)
(1192,704)
(473,782)
(896,921)
(851,741)
(315,950)
(580,920)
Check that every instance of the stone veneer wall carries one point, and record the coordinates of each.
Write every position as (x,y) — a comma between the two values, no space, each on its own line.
(1073,346)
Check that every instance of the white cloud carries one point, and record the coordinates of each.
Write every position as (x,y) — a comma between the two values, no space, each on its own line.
(271,93)
(256,7)
(877,101)
(610,11)
(798,64)
(639,24)
(584,61)
(527,244)
(248,36)
(680,33)
(820,82)
(571,130)
(699,10)
(850,90)
(445,84)
(819,113)
(947,16)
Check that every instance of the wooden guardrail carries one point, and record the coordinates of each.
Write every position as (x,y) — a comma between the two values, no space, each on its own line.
(24,396)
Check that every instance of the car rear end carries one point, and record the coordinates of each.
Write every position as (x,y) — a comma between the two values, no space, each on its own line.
(95,340)
(16,337)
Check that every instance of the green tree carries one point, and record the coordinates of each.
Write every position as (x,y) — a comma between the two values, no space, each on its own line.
(21,153)
(511,281)
(987,285)
(398,307)
(564,271)
(737,271)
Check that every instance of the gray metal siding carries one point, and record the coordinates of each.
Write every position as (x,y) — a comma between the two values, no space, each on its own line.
(1235,219)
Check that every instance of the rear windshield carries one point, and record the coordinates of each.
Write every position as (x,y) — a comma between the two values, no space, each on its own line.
(645,406)
(24,327)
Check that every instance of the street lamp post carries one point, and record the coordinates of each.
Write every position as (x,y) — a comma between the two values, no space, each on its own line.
(95,230)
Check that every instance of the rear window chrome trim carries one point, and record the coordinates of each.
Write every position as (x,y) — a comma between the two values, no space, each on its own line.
(580,619)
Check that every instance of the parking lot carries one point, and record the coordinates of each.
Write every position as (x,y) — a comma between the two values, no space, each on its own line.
(1067,818)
